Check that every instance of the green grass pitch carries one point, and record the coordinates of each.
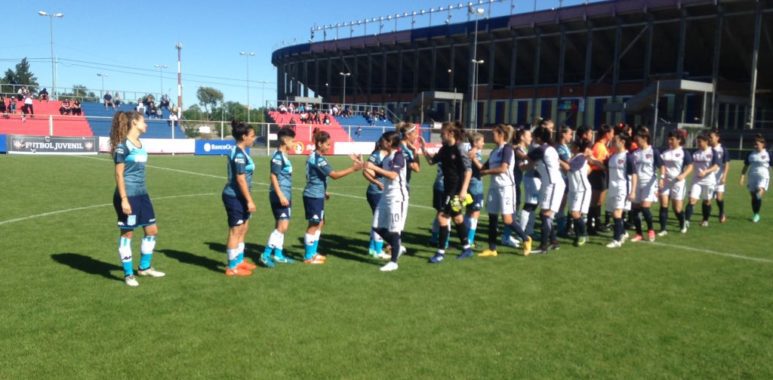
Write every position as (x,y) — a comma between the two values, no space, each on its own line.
(694,306)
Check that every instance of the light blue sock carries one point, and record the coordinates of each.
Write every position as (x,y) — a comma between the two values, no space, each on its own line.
(127,268)
(372,244)
(378,246)
(233,255)
(125,254)
(267,253)
(146,249)
(315,247)
(309,247)
(278,253)
(471,236)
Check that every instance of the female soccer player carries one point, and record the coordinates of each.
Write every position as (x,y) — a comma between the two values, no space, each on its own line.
(437,204)
(757,164)
(546,162)
(280,197)
(520,144)
(598,178)
(130,199)
(647,163)
(409,135)
(315,193)
(579,194)
(457,171)
(501,194)
(621,166)
(392,209)
(723,158)
(373,195)
(677,165)
(476,185)
(237,198)
(564,155)
(531,183)
(704,181)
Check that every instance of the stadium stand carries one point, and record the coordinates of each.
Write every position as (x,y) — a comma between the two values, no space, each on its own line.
(157,128)
(38,125)
(303,131)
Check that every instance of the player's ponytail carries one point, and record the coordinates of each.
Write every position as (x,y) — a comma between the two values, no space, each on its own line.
(319,136)
(119,129)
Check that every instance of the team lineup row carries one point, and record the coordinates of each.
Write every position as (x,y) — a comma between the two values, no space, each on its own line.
(571,174)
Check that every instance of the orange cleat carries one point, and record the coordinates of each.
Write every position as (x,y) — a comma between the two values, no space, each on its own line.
(316,260)
(237,272)
(247,266)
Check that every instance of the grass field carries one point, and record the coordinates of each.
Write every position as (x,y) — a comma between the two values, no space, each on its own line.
(694,306)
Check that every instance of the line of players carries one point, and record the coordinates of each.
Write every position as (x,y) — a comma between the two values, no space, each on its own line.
(554,177)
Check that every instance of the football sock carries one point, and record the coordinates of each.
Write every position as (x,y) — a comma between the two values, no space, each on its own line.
(146,249)
(547,229)
(316,240)
(688,212)
(393,238)
(461,230)
(579,227)
(378,243)
(561,224)
(607,216)
(515,227)
(636,219)
(125,255)
(435,230)
(233,255)
(442,243)
(706,210)
(663,218)
(274,242)
(523,218)
(506,233)
(240,258)
(756,204)
(472,226)
(493,226)
(308,242)
(619,229)
(721,205)
(648,218)
(681,217)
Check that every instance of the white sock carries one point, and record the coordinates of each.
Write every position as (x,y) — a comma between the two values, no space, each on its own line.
(241,247)
(147,246)
(308,239)
(275,239)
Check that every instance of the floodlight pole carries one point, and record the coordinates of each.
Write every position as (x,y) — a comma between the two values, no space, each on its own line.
(344,75)
(51,39)
(475,62)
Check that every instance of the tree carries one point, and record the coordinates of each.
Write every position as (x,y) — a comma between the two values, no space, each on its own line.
(192,113)
(21,76)
(209,97)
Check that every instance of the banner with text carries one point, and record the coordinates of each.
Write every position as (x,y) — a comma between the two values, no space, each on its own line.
(215,147)
(18,144)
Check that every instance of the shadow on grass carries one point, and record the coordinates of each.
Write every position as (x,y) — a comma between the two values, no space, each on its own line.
(88,265)
(190,258)
(345,247)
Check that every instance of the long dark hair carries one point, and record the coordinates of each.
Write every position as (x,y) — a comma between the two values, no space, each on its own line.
(240,129)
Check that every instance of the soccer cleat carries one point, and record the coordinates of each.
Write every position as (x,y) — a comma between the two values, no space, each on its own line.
(237,272)
(540,250)
(705,223)
(131,281)
(614,244)
(527,246)
(637,238)
(467,253)
(403,251)
(283,260)
(662,233)
(249,266)
(372,253)
(488,253)
(581,241)
(723,219)
(625,237)
(756,218)
(265,261)
(315,260)
(389,267)
(651,235)
(437,259)
(150,272)
(511,242)
(554,246)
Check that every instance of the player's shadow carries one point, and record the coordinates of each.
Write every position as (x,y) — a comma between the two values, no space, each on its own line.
(345,247)
(192,259)
(88,265)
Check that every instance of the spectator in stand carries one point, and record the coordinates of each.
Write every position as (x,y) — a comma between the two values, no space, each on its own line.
(43,95)
(173,118)
(151,111)
(282,108)
(12,106)
(108,100)
(140,106)
(292,108)
(304,117)
(65,109)
(334,110)
(116,99)
(76,108)
(20,94)
(164,103)
(327,119)
(27,107)
(3,108)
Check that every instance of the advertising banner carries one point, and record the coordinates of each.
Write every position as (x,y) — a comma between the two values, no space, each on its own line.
(18,144)
(3,147)
(215,147)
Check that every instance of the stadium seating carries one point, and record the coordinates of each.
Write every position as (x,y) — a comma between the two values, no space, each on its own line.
(100,124)
(369,132)
(303,131)
(39,124)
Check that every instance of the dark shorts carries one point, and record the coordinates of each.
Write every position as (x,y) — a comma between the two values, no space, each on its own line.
(142,209)
(236,210)
(477,203)
(315,209)
(447,210)
(373,199)
(437,200)
(598,180)
(280,212)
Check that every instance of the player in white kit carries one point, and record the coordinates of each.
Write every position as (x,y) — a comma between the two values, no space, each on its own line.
(620,191)
(579,196)
(757,165)
(677,165)
(704,182)
(723,157)
(647,161)
(547,164)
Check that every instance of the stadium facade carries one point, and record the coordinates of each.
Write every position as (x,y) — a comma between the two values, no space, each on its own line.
(586,64)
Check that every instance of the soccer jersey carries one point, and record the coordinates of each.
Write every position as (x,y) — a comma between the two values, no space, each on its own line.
(438,185)
(600,153)
(410,157)
(702,160)
(375,158)
(455,163)
(502,155)
(282,168)
(620,165)
(675,161)
(239,162)
(647,163)
(722,159)
(517,172)
(476,184)
(758,163)
(564,154)
(578,173)
(547,163)
(533,172)
(317,170)
(396,189)
(134,159)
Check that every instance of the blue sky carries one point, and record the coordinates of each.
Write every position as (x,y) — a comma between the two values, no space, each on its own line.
(125,39)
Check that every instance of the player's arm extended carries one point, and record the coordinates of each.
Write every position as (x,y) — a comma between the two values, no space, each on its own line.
(390,174)
(370,178)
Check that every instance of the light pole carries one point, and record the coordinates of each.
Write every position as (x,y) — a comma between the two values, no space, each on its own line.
(53,61)
(161,77)
(102,76)
(477,12)
(344,76)
(248,54)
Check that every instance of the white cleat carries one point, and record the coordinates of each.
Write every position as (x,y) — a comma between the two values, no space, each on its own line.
(403,251)
(705,223)
(389,267)
(131,281)
(662,233)
(384,256)
(614,244)
(512,242)
(150,272)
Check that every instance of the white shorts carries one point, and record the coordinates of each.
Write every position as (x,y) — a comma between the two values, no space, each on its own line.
(550,196)
(719,188)
(390,215)
(704,192)
(673,189)
(531,186)
(647,192)
(501,200)
(579,201)
(617,197)
(756,183)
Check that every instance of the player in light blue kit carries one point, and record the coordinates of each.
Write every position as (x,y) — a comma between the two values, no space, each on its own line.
(280,197)
(130,199)
(315,193)
(476,186)
(237,199)
(757,165)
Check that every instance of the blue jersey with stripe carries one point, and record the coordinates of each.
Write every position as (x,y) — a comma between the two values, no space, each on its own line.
(282,168)
(476,184)
(317,170)
(134,159)
(376,158)
(239,162)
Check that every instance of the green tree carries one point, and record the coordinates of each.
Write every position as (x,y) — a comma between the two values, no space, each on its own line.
(209,97)
(21,76)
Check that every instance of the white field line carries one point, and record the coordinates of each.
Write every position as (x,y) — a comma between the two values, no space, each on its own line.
(717,253)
